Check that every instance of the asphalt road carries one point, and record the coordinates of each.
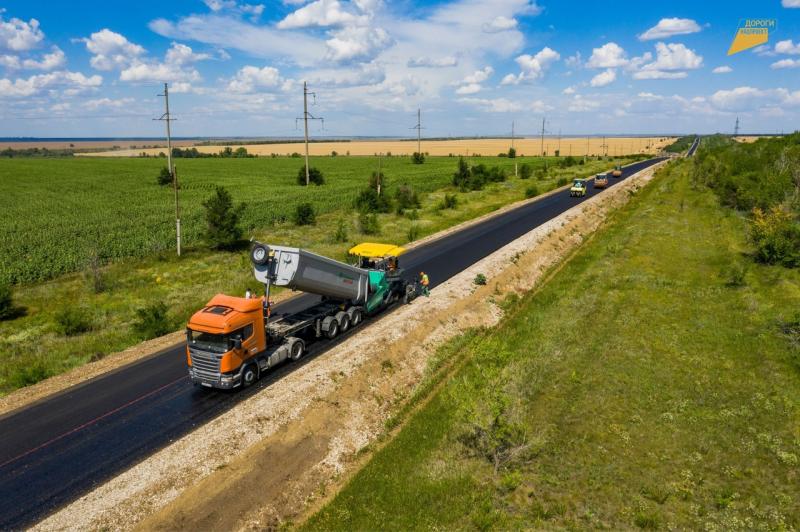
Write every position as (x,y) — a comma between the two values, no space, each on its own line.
(61,447)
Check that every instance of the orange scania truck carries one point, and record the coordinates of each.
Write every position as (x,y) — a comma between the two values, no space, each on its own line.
(232,341)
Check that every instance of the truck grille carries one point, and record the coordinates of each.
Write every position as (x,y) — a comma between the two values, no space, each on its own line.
(206,365)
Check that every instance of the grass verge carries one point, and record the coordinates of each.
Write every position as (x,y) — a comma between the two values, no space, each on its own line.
(638,388)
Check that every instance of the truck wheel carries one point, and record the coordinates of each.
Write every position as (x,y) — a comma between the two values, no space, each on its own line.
(296,350)
(355,317)
(249,375)
(333,329)
(344,321)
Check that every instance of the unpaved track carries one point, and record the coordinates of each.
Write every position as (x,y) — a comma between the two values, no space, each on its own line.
(269,457)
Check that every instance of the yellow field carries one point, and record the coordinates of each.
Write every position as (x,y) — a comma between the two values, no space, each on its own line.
(742,138)
(524,146)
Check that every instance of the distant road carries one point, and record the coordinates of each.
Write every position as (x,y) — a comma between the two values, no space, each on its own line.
(57,449)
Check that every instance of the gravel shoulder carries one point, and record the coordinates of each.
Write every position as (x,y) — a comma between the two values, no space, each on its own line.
(286,450)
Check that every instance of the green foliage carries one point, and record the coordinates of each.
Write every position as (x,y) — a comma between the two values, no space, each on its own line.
(406,198)
(449,201)
(480,279)
(341,231)
(512,153)
(413,232)
(315,176)
(680,145)
(377,178)
(418,158)
(525,171)
(73,320)
(561,181)
(370,201)
(222,220)
(567,161)
(164,177)
(152,321)
(369,224)
(35,152)
(462,176)
(532,191)
(776,236)
(304,214)
(6,301)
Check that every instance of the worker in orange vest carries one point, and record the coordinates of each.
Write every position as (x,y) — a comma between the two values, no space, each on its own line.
(423,279)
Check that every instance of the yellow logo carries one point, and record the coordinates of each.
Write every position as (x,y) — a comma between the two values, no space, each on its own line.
(751,32)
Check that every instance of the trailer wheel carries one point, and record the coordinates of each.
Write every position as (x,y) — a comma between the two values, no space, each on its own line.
(333,329)
(344,321)
(355,317)
(249,375)
(296,350)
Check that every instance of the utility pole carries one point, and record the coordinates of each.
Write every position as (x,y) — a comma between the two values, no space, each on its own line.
(378,177)
(306,116)
(166,117)
(604,147)
(587,149)
(419,129)
(736,128)
(559,142)
(542,149)
(512,147)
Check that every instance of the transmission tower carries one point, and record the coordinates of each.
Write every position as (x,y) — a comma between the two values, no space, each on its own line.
(736,128)
(419,129)
(305,119)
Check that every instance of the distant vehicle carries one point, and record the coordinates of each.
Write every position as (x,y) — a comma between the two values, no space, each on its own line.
(578,188)
(617,172)
(601,181)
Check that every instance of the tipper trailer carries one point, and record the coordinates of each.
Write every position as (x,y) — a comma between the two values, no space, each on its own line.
(233,340)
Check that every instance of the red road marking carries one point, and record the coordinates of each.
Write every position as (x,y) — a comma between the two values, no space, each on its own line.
(90,422)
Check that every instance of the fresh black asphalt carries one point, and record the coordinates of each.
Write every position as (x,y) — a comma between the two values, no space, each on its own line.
(59,448)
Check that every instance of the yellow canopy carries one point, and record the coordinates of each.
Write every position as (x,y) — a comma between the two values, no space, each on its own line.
(372,250)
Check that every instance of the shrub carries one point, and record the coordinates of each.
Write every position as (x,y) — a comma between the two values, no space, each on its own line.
(450,201)
(776,236)
(152,321)
(164,177)
(369,224)
(480,279)
(525,171)
(462,176)
(532,191)
(370,201)
(315,177)
(512,153)
(222,220)
(305,214)
(71,321)
(377,178)
(296,155)
(561,181)
(413,232)
(734,274)
(541,174)
(406,198)
(6,302)
(334,153)
(418,158)
(412,214)
(341,231)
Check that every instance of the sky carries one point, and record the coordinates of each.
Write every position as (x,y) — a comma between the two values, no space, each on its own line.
(96,69)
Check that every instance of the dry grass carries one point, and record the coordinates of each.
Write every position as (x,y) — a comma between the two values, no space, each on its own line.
(524,146)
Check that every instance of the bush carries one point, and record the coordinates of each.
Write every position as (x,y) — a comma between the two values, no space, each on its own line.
(341,231)
(315,177)
(6,302)
(734,274)
(512,153)
(369,224)
(406,198)
(561,181)
(71,321)
(776,236)
(450,201)
(418,158)
(412,214)
(413,232)
(377,178)
(525,171)
(541,174)
(480,279)
(152,321)
(222,220)
(532,191)
(462,176)
(305,214)
(164,177)
(370,201)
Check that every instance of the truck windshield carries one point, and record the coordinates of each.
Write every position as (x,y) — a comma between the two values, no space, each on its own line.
(216,343)
(577,184)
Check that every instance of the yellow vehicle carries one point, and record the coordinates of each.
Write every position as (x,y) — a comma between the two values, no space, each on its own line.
(617,171)
(578,188)
(601,181)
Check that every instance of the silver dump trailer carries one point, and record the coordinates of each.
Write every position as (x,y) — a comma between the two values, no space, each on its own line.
(302,270)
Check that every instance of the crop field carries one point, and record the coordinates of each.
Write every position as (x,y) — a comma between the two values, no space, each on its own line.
(530,146)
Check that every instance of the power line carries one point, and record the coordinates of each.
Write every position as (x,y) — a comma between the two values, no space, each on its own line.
(166,117)
(306,116)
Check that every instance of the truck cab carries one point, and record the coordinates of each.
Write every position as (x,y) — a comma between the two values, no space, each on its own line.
(221,337)
(601,181)
(578,188)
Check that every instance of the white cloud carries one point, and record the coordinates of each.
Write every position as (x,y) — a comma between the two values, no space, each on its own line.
(423,61)
(365,75)
(500,23)
(504,105)
(354,42)
(511,79)
(610,55)
(251,78)
(180,54)
(672,60)
(790,3)
(320,13)
(604,78)
(24,87)
(574,61)
(787,47)
(568,90)
(751,98)
(471,88)
(158,72)
(479,76)
(10,61)
(53,60)
(669,27)
(108,103)
(111,50)
(722,70)
(18,35)
(219,5)
(579,104)
(658,74)
(786,63)
(534,66)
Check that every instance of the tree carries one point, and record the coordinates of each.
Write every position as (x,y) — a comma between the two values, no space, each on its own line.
(512,153)
(164,177)
(370,201)
(377,181)
(462,175)
(222,219)
(305,214)
(406,198)
(525,171)
(418,158)
(315,177)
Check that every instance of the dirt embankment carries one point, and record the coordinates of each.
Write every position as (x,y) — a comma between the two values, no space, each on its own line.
(281,453)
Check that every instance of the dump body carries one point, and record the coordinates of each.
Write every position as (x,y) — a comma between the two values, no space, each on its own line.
(302,270)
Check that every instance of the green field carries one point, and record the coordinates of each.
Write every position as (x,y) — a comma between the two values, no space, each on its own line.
(62,212)
(647,385)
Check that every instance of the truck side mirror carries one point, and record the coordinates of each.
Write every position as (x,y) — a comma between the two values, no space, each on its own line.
(237,343)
